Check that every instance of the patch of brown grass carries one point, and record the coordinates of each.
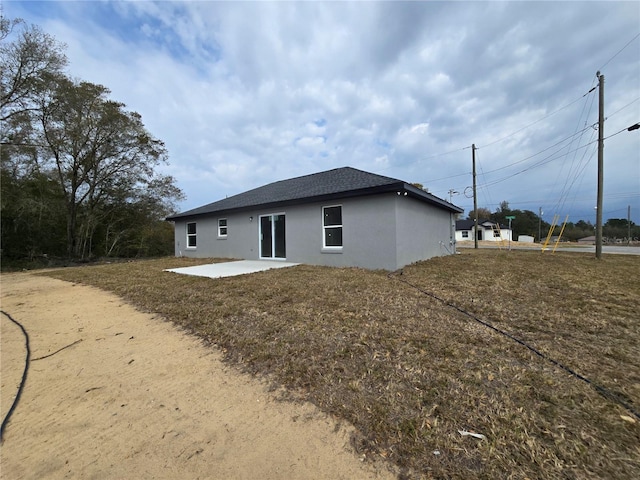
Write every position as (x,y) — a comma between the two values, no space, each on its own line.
(410,372)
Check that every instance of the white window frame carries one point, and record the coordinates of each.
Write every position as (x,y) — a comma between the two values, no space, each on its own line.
(465,233)
(193,235)
(272,234)
(325,227)
(221,227)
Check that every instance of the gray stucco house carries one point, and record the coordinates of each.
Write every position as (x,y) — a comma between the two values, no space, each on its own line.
(340,217)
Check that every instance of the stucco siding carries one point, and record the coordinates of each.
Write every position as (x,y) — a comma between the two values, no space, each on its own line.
(239,242)
(421,232)
(372,236)
(384,231)
(368,234)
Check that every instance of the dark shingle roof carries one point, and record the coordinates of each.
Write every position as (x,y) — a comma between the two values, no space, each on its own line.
(336,183)
(468,224)
(465,224)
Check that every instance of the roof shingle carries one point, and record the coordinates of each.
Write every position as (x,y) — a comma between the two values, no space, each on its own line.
(339,182)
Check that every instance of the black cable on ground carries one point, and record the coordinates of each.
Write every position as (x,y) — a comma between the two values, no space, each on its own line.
(600,389)
(5,420)
(57,351)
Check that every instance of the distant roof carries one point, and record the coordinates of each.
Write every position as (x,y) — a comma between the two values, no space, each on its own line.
(331,184)
(468,224)
(465,224)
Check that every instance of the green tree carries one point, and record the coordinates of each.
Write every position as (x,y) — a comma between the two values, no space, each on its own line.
(32,214)
(30,203)
(100,153)
(580,229)
(79,171)
(525,222)
(483,214)
(132,223)
(618,228)
(618,223)
(501,214)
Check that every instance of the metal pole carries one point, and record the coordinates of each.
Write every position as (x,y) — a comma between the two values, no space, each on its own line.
(628,224)
(452,223)
(540,225)
(475,198)
(510,217)
(600,166)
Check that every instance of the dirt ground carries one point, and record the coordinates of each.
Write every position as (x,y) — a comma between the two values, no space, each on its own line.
(137,398)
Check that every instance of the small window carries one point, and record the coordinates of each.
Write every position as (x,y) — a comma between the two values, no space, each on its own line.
(191,235)
(496,234)
(465,234)
(222,227)
(332,226)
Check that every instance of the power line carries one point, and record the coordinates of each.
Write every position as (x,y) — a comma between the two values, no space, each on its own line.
(542,162)
(545,160)
(518,131)
(485,191)
(619,52)
(623,195)
(431,157)
(537,121)
(446,153)
(513,163)
(610,196)
(579,169)
(626,129)
(538,153)
(622,108)
(579,175)
(553,156)
(564,192)
(509,135)
(449,177)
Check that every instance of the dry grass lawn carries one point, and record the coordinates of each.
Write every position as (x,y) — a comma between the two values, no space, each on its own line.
(410,371)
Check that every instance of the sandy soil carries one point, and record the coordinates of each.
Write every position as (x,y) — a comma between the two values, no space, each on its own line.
(137,398)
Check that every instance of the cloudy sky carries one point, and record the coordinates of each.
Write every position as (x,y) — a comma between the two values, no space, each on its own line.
(247,93)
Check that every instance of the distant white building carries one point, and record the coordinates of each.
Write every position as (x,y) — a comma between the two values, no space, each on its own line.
(487,230)
(526,238)
(587,240)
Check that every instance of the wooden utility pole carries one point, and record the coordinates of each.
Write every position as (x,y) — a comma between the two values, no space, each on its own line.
(475,198)
(600,165)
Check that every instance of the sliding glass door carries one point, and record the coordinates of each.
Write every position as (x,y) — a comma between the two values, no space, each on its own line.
(272,236)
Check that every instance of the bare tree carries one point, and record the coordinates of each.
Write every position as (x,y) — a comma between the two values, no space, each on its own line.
(99,151)
(26,66)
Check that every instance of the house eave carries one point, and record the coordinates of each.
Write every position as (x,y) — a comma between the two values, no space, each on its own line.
(400,188)
(420,194)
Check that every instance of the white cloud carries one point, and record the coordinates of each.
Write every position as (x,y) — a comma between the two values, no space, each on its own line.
(248,93)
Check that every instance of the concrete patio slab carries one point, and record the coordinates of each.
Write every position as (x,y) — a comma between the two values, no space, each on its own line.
(231,269)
